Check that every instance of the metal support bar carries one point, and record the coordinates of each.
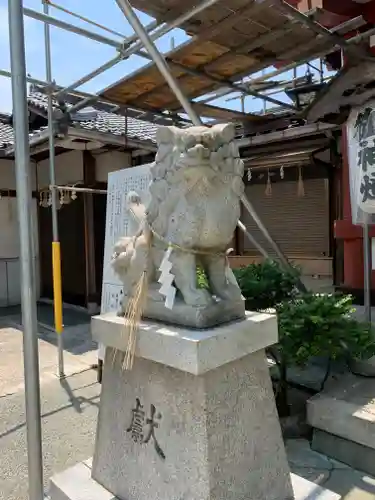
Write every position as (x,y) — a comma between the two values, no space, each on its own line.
(44,18)
(24,206)
(367,269)
(318,28)
(56,257)
(29,79)
(93,74)
(58,23)
(136,48)
(362,36)
(102,103)
(77,189)
(354,40)
(283,260)
(158,59)
(233,86)
(149,27)
(252,240)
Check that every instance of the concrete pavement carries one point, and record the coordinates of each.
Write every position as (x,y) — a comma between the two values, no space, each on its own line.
(69,407)
(69,413)
(335,476)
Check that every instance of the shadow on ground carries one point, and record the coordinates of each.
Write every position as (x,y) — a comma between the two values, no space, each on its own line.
(76,336)
(350,484)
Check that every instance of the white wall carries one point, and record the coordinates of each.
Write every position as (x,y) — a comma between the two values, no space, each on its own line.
(8,176)
(10,287)
(68,169)
(110,162)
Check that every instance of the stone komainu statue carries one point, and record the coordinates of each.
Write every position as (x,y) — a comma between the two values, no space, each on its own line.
(190,221)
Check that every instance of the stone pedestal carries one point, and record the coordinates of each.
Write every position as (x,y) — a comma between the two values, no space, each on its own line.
(194,420)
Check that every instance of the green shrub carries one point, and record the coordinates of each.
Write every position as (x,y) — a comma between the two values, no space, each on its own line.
(322,325)
(266,284)
(312,325)
(202,281)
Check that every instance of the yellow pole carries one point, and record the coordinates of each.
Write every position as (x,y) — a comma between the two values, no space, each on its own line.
(56,256)
(57,295)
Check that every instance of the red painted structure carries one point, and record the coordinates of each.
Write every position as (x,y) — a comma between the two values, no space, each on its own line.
(333,13)
(349,233)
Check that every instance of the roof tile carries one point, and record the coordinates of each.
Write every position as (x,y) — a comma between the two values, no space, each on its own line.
(102,121)
(6,134)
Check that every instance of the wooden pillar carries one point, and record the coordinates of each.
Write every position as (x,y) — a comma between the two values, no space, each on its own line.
(89,178)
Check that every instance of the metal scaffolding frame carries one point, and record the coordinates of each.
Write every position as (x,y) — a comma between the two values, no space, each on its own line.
(126,46)
(28,298)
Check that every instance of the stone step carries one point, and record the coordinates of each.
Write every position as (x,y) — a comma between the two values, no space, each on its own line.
(76,483)
(343,418)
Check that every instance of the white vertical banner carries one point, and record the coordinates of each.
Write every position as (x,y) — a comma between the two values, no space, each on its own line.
(361,158)
(118,224)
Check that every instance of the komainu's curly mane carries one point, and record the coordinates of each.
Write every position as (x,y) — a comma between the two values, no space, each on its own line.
(182,149)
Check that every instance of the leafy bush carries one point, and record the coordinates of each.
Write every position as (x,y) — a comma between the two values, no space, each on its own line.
(202,281)
(266,284)
(310,324)
(317,325)
(322,325)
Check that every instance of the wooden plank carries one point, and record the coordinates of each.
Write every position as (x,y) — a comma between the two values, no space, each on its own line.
(89,178)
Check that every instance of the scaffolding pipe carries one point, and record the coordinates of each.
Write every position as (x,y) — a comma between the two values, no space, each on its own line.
(159,60)
(236,87)
(186,104)
(354,40)
(252,240)
(76,189)
(102,103)
(24,207)
(93,74)
(56,250)
(35,81)
(46,19)
(337,39)
(134,49)
(149,27)
(120,46)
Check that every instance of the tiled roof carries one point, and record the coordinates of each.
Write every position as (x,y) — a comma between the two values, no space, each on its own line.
(102,121)
(6,133)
